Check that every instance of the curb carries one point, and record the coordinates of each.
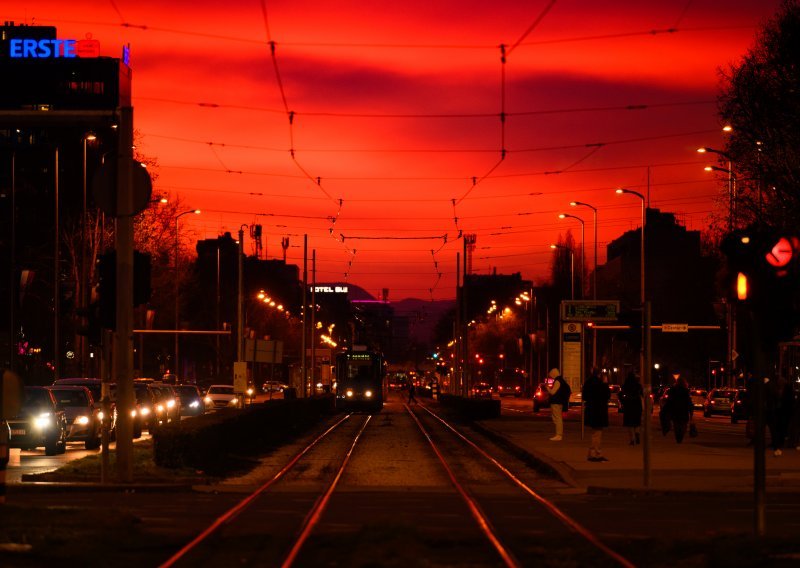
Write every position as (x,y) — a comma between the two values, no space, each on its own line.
(642,492)
(76,487)
(537,461)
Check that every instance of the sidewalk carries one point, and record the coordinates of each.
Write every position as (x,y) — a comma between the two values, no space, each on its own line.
(703,464)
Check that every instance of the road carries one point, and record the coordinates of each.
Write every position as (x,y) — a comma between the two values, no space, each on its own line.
(395,504)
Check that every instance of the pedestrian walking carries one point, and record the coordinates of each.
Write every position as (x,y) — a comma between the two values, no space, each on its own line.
(679,407)
(411,397)
(595,396)
(559,392)
(632,398)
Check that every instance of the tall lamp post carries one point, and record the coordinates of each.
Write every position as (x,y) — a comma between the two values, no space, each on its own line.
(644,359)
(83,300)
(594,271)
(571,266)
(731,223)
(178,290)
(583,246)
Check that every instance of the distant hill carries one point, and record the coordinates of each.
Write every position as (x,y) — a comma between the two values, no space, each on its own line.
(424,315)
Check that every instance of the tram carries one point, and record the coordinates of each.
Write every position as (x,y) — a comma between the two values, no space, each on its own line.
(360,380)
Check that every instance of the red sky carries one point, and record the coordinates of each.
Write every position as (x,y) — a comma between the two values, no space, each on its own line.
(342,64)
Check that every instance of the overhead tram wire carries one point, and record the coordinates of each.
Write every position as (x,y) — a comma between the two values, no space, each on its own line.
(412,46)
(331,114)
(550,148)
(704,179)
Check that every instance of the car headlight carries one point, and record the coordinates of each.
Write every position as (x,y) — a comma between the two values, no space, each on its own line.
(349,393)
(234,401)
(368,394)
(43,421)
(133,413)
(250,392)
(144,410)
(208,400)
(194,404)
(82,420)
(171,403)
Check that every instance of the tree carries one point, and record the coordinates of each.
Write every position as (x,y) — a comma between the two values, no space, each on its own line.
(761,102)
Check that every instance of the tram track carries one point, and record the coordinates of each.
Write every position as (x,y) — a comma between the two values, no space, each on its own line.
(189,552)
(441,446)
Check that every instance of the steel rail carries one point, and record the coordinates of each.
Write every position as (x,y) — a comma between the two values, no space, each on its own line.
(571,523)
(319,507)
(477,514)
(238,508)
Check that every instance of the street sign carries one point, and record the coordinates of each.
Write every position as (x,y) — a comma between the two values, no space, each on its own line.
(266,351)
(240,376)
(589,310)
(104,188)
(572,354)
(675,327)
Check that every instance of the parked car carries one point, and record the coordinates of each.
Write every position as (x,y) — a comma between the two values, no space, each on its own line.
(220,396)
(191,400)
(740,407)
(273,386)
(82,414)
(481,390)
(39,423)
(698,398)
(147,405)
(168,402)
(719,401)
(95,386)
(510,382)
(614,400)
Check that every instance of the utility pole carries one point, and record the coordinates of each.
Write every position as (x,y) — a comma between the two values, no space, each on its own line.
(465,323)
(304,313)
(12,272)
(56,284)
(313,318)
(457,368)
(239,298)
(123,347)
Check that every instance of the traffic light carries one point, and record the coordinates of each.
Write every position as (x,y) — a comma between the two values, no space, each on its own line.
(761,263)
(107,273)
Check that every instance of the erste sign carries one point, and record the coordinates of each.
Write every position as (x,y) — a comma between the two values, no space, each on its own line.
(53,48)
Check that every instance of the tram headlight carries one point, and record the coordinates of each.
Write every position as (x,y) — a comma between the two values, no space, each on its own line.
(368,394)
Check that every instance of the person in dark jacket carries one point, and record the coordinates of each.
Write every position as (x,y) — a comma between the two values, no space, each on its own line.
(595,396)
(679,407)
(632,405)
(780,400)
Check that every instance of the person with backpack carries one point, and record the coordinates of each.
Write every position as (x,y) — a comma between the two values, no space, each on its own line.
(559,392)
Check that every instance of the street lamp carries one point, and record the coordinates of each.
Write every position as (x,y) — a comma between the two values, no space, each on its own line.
(571,265)
(731,179)
(644,359)
(88,137)
(594,222)
(177,288)
(594,271)
(583,245)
